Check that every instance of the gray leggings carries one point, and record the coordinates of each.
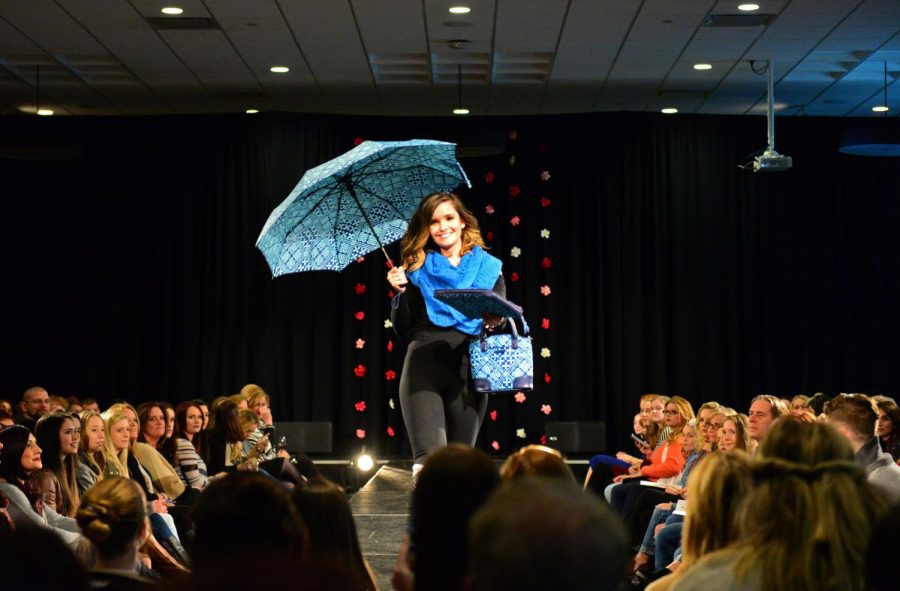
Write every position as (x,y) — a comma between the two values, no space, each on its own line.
(438,405)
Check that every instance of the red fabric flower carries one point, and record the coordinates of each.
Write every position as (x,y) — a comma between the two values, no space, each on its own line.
(360,433)
(390,375)
(493,415)
(546,262)
(543,440)
(390,431)
(489,236)
(514,191)
(360,406)
(513,276)
(357,141)
(391,294)
(359,289)
(545,323)
(546,378)
(515,220)
(544,202)
(390,346)
(360,370)
(360,315)
(495,445)
(489,177)
(389,263)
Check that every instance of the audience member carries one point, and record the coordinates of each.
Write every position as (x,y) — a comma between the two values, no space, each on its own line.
(58,435)
(6,418)
(764,409)
(798,402)
(535,534)
(888,427)
(36,559)
(58,404)
(35,404)
(90,450)
(536,460)
(90,404)
(854,416)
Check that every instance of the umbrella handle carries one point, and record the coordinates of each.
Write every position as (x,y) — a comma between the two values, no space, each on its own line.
(389,261)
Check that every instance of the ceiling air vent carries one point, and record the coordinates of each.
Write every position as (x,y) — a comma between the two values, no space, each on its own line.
(738,20)
(184,24)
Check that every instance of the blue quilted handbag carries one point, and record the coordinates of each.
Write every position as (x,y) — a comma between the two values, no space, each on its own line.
(502,362)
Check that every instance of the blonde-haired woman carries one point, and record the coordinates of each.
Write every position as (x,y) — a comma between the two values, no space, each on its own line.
(90,450)
(806,523)
(442,249)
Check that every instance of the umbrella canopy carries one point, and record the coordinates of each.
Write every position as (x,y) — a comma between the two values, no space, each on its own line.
(356,203)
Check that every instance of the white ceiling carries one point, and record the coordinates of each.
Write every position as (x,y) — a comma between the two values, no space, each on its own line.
(393,57)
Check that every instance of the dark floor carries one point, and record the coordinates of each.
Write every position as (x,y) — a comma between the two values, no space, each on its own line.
(381,510)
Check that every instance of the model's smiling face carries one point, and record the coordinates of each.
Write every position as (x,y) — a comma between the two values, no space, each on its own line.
(446,229)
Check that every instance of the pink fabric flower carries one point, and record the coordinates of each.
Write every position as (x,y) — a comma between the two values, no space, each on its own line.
(515,220)
(545,290)
(360,370)
(545,323)
(361,260)
(489,177)
(360,343)
(390,431)
(360,406)
(546,409)
(495,445)
(359,315)
(359,289)
(520,397)
(360,433)
(390,375)
(545,175)
(489,209)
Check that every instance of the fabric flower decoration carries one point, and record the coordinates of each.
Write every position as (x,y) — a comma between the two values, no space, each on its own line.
(493,415)
(489,209)
(546,262)
(546,409)
(360,343)
(545,352)
(489,236)
(360,370)
(513,135)
(515,251)
(489,177)
(545,175)
(515,220)
(514,277)
(547,378)
(391,403)
(357,141)
(512,160)
(359,315)
(520,397)
(360,433)
(388,323)
(361,260)
(545,233)
(359,289)
(544,202)
(390,375)
(545,290)
(390,346)
(514,191)
(543,440)
(520,433)
(390,431)
(390,294)
(360,406)
(495,445)
(545,323)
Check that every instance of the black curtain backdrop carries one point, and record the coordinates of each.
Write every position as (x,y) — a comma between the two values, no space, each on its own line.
(130,271)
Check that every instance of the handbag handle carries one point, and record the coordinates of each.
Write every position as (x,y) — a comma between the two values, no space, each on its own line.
(515,333)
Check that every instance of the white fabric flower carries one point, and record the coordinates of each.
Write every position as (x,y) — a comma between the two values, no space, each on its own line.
(545,352)
(515,251)
(520,433)
(545,233)
(388,323)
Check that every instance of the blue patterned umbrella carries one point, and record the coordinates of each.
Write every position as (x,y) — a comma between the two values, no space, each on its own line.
(356,203)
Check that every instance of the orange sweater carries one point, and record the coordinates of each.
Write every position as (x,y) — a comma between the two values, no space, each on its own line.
(671,466)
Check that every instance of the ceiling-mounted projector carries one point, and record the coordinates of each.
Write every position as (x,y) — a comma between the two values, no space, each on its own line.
(770,160)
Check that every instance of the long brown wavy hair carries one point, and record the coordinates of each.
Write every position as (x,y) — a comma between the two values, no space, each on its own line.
(417,239)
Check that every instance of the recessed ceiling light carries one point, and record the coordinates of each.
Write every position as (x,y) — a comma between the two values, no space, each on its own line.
(748,7)
(460,111)
(703,66)
(45,112)
(460,9)
(252,111)
(171,10)
(880,109)
(669,110)
(279,69)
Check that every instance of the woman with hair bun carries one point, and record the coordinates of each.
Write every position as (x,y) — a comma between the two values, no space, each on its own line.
(113,517)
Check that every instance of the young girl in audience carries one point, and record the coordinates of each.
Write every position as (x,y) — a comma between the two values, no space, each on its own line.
(798,402)
(58,435)
(90,450)
(805,524)
(735,434)
(332,530)
(19,457)
(225,439)
(113,517)
(536,460)
(716,488)
(888,426)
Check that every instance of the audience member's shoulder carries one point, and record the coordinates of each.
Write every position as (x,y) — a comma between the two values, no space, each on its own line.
(716,571)
(109,580)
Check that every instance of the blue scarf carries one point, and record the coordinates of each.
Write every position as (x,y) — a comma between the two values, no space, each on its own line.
(476,270)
